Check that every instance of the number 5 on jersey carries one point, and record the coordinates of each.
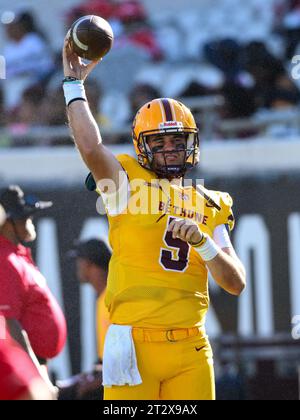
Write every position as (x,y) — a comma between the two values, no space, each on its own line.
(176,257)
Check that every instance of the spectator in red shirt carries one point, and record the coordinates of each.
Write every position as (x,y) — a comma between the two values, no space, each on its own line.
(129,21)
(19,378)
(136,28)
(25,299)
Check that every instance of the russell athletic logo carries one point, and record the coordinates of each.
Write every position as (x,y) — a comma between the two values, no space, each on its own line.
(170,124)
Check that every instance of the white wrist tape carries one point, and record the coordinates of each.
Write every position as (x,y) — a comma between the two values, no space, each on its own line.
(209,250)
(74,90)
(221,237)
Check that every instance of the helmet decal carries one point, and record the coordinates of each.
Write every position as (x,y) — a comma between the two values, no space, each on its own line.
(167,110)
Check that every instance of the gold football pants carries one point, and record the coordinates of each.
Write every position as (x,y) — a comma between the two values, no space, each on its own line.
(174,365)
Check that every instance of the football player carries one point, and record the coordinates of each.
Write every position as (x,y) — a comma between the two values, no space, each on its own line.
(162,250)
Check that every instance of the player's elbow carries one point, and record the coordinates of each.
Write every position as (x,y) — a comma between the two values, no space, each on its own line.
(238,285)
(238,290)
(238,280)
(233,281)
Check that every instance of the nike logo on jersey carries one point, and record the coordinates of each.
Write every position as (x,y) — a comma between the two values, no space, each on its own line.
(199,348)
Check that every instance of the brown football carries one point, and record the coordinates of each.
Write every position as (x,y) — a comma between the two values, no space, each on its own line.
(91,37)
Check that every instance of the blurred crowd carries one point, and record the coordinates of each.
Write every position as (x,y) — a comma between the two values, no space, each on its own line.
(251,76)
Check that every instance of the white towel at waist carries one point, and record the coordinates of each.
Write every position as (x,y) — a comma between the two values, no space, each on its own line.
(119,357)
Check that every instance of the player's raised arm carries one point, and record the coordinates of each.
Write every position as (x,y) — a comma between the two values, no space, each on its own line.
(96,156)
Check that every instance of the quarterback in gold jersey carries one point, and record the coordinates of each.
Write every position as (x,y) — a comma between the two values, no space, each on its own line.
(165,237)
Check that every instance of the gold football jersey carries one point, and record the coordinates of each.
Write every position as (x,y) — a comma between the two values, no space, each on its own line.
(156,281)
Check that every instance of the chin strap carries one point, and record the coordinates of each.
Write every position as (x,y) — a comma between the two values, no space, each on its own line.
(170,171)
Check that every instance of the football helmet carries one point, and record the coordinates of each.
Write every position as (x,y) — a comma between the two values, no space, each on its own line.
(159,117)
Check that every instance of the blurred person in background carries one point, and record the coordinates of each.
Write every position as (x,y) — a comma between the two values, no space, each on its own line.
(5,141)
(51,103)
(194,88)
(287,24)
(281,104)
(19,378)
(267,71)
(28,57)
(2,109)
(136,30)
(34,316)
(103,8)
(225,55)
(129,21)
(139,95)
(95,93)
(92,261)
(282,99)
(52,108)
(239,101)
(230,384)
(28,113)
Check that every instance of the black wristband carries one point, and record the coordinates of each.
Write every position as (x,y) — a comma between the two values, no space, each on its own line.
(76,99)
(199,243)
(70,79)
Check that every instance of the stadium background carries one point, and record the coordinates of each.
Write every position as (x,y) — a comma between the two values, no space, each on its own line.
(256,343)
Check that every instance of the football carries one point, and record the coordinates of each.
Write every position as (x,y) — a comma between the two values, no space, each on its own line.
(91,37)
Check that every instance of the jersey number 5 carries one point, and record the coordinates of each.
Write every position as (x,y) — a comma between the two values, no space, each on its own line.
(176,259)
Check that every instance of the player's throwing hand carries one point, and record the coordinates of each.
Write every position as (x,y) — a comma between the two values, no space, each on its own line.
(186,230)
(72,63)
